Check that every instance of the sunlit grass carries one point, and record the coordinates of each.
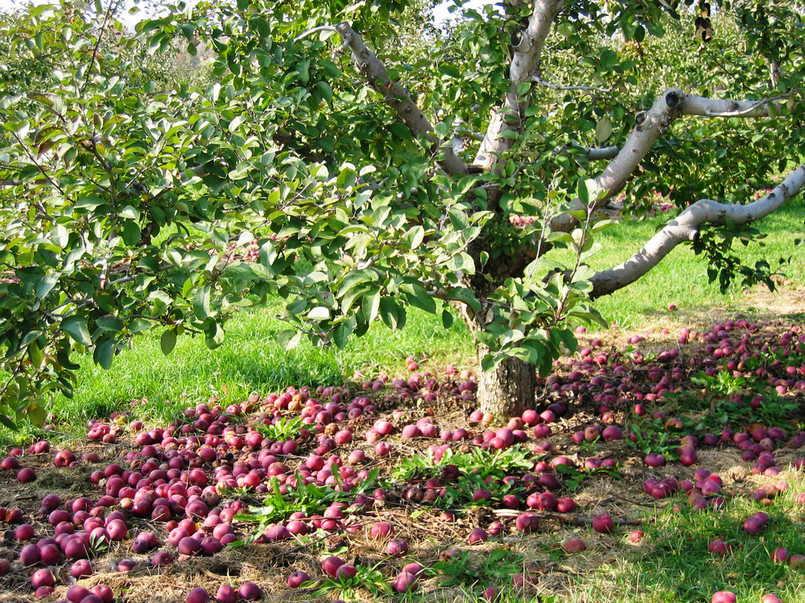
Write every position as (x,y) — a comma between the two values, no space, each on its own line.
(673,563)
(158,387)
(682,277)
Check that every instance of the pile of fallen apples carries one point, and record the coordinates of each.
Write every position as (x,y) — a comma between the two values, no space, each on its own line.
(190,478)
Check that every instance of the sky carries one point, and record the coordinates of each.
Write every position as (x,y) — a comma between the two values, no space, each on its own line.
(441,13)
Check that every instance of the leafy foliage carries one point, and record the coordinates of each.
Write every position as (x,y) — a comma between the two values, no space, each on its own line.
(573,477)
(370,579)
(304,497)
(284,428)
(477,469)
(495,464)
(162,193)
(496,567)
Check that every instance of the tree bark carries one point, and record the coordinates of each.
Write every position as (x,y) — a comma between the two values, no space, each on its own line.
(649,126)
(397,97)
(507,389)
(685,227)
(527,48)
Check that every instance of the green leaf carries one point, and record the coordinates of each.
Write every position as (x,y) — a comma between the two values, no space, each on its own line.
(235,123)
(104,353)
(608,58)
(488,362)
(391,313)
(326,91)
(343,331)
(215,335)
(288,339)
(214,91)
(201,302)
(603,129)
(417,296)
(161,301)
(449,70)
(458,218)
(371,305)
(569,339)
(319,313)
(447,318)
(583,190)
(168,341)
(355,278)
(35,354)
(45,284)
(129,213)
(90,202)
(465,295)
(109,323)
(8,423)
(76,327)
(37,415)
(138,325)
(414,237)
(63,356)
(130,233)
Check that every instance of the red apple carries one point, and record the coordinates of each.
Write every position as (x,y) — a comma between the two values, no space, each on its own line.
(603,523)
(574,545)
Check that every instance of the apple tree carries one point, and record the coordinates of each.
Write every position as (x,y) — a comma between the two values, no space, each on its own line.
(356,160)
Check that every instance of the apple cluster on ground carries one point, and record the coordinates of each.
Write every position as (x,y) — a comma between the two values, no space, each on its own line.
(356,477)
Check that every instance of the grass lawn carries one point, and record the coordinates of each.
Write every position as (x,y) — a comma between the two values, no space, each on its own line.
(682,277)
(250,360)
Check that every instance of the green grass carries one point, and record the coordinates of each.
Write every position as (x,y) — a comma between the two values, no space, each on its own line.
(673,564)
(251,361)
(681,278)
(248,361)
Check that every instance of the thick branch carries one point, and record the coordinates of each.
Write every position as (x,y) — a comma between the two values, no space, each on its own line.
(598,153)
(397,97)
(527,46)
(686,228)
(713,107)
(649,125)
(594,154)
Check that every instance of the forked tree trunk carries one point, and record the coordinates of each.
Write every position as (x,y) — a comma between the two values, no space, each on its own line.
(507,389)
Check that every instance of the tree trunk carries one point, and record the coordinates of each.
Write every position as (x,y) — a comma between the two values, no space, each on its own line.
(507,389)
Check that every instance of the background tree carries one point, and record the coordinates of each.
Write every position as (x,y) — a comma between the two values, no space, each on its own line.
(373,164)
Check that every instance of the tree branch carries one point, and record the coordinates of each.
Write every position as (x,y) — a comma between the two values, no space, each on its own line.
(649,125)
(113,6)
(597,153)
(313,30)
(686,228)
(712,107)
(397,97)
(527,45)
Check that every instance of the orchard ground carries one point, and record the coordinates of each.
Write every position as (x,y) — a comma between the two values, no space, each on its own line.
(539,526)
